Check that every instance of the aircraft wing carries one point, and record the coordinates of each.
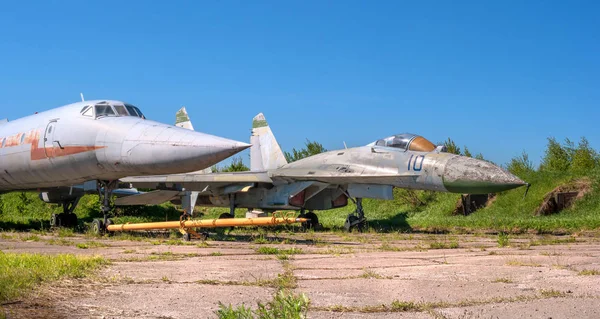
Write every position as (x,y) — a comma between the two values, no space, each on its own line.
(341,175)
(197,181)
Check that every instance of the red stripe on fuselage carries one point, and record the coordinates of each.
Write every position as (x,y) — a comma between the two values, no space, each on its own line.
(40,153)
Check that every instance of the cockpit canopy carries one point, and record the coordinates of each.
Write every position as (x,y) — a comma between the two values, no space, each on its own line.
(407,141)
(104,108)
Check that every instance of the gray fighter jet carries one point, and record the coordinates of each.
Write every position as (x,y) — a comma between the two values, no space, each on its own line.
(327,180)
(87,146)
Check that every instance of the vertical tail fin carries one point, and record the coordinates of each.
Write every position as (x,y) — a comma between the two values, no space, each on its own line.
(183,120)
(265,153)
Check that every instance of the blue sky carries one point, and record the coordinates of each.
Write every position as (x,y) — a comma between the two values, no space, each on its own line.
(497,76)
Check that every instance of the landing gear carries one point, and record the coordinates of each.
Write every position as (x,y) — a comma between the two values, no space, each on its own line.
(105,190)
(357,219)
(98,227)
(67,218)
(231,206)
(313,220)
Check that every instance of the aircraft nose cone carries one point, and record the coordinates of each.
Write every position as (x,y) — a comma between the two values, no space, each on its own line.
(472,176)
(162,149)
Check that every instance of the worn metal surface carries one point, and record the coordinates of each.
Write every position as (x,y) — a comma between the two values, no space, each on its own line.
(323,181)
(69,145)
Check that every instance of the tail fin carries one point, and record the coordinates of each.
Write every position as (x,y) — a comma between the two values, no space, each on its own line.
(265,152)
(183,120)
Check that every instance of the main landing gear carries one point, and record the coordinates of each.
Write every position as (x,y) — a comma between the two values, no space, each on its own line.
(105,190)
(357,219)
(313,220)
(67,218)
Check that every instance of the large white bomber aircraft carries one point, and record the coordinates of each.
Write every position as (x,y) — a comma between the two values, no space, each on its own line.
(87,146)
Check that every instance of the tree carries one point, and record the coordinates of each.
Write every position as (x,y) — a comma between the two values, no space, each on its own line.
(520,165)
(584,157)
(556,157)
(451,147)
(466,152)
(236,165)
(311,148)
(479,156)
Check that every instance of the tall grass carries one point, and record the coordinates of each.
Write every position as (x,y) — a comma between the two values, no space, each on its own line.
(19,273)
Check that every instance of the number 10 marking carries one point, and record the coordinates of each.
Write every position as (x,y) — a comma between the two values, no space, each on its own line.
(414,164)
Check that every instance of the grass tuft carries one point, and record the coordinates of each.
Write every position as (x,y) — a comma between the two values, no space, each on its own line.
(589,272)
(266,250)
(19,273)
(283,305)
(503,240)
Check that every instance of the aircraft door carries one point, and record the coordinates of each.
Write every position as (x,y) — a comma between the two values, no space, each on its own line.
(49,139)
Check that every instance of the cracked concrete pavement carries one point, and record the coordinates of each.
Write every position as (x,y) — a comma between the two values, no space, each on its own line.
(343,275)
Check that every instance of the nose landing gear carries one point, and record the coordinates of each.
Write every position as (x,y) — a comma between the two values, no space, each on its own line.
(357,219)
(105,190)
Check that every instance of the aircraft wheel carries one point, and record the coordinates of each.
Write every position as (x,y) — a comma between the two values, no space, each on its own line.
(313,222)
(350,221)
(54,220)
(186,237)
(98,227)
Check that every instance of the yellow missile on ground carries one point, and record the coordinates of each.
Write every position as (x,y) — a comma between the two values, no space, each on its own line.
(208,223)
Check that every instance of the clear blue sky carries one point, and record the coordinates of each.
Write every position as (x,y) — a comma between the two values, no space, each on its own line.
(497,76)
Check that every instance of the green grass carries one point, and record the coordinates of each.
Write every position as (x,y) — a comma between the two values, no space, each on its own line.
(90,244)
(19,273)
(283,305)
(265,250)
(589,272)
(503,239)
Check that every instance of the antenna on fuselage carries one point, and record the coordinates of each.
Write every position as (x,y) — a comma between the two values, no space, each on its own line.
(82,99)
(346,147)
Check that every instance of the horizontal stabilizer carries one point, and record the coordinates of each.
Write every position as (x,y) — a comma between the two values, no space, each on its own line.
(150,198)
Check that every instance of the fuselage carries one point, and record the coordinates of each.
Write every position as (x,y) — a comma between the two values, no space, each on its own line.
(99,140)
(374,168)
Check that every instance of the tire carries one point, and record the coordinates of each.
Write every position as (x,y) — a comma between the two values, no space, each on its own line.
(54,220)
(349,221)
(313,222)
(98,227)
(186,237)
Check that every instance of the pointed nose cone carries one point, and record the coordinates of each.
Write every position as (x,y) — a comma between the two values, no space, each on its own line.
(472,176)
(165,149)
(222,148)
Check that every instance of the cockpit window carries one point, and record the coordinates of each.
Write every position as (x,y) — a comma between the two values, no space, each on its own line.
(139,112)
(87,110)
(104,110)
(407,141)
(131,110)
(121,110)
(134,111)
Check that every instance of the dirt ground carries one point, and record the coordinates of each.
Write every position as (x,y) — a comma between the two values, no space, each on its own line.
(343,275)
